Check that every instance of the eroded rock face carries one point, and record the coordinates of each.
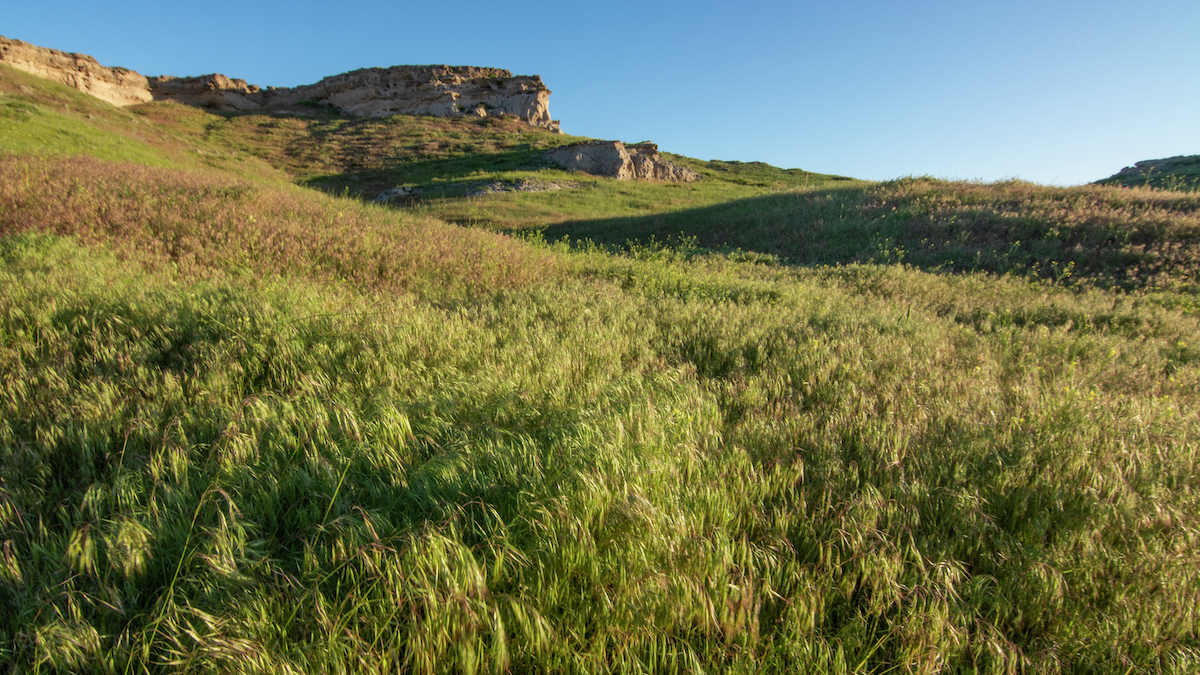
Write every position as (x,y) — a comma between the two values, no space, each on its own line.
(444,91)
(208,91)
(117,86)
(616,160)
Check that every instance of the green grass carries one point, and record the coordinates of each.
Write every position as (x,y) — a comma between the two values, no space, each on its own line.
(44,118)
(246,426)
(366,155)
(1173,173)
(647,464)
(1112,237)
(31,129)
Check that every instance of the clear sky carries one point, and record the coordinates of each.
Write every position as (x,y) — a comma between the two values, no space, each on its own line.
(1052,91)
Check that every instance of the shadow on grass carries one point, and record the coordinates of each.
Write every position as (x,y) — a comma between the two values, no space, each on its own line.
(433,176)
(796,228)
(879,223)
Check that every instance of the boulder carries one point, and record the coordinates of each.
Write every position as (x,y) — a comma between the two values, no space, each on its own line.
(117,86)
(616,160)
(398,194)
(599,158)
(649,165)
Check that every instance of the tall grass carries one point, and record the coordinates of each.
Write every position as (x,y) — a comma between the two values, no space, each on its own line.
(246,427)
(44,118)
(1128,238)
(204,225)
(643,466)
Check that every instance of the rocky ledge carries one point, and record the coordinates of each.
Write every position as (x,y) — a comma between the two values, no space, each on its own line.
(444,91)
(116,86)
(617,160)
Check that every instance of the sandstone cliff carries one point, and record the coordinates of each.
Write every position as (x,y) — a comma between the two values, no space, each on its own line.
(444,91)
(616,160)
(117,86)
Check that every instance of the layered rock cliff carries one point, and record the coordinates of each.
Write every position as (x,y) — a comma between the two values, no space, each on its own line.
(617,160)
(445,91)
(117,86)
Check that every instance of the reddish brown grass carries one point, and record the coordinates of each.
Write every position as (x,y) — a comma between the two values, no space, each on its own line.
(207,225)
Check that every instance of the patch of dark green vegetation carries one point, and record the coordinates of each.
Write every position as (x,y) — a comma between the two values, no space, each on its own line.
(1173,173)
(1063,236)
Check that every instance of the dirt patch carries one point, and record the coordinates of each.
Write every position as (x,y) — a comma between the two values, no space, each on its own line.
(404,195)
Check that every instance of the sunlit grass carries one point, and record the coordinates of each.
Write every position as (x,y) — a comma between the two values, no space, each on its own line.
(649,465)
(251,427)
(204,225)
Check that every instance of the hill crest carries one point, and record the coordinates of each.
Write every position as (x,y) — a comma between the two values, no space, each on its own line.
(438,90)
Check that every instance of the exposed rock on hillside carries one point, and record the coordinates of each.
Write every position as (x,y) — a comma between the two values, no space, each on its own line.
(444,91)
(215,91)
(615,159)
(117,86)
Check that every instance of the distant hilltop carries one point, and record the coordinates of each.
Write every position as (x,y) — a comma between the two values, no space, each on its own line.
(1181,172)
(443,91)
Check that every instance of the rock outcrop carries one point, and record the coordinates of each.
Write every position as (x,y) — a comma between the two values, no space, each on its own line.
(215,92)
(616,160)
(117,86)
(443,91)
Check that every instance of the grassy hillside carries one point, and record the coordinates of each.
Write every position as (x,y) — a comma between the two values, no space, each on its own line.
(39,117)
(771,422)
(1181,172)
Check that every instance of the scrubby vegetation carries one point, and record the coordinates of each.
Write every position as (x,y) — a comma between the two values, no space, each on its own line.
(771,422)
(1181,172)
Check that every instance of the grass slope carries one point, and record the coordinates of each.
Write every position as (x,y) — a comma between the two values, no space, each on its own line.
(248,426)
(40,117)
(1181,172)
(1126,238)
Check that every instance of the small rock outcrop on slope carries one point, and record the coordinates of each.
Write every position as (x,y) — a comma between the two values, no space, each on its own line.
(616,160)
(443,91)
(117,86)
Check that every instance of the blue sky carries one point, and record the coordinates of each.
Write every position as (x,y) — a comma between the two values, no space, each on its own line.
(1053,92)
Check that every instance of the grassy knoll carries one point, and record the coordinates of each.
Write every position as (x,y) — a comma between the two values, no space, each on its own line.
(246,426)
(1181,172)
